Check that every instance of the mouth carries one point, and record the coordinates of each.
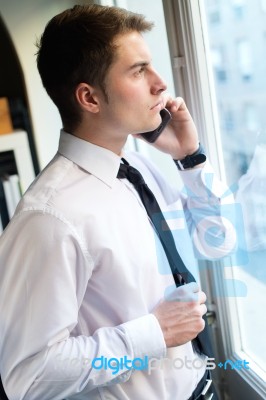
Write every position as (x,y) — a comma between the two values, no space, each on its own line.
(158,106)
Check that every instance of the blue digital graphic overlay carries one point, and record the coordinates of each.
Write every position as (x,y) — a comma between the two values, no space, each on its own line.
(211,232)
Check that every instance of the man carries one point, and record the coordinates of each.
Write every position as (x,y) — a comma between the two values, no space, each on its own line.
(88,305)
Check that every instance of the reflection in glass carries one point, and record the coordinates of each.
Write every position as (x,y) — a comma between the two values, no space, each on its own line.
(241,103)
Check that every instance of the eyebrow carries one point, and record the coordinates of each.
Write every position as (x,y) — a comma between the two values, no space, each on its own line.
(139,64)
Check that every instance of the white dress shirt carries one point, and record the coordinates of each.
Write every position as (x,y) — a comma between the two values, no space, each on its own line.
(81,269)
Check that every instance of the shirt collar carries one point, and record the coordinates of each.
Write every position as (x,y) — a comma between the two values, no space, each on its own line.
(98,161)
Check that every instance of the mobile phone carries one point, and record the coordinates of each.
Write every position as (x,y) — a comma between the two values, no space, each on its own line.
(153,135)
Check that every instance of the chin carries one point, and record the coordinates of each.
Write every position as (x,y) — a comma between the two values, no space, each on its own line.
(152,127)
(148,126)
(148,129)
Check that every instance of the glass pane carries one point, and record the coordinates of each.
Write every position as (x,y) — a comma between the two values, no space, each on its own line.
(237,57)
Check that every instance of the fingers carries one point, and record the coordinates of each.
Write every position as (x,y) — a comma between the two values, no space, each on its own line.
(202,297)
(187,293)
(181,319)
(190,293)
(203,309)
(174,104)
(167,99)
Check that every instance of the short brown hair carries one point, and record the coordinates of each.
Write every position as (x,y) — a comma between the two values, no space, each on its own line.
(77,46)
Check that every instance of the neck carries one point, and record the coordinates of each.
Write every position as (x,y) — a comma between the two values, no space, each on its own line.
(101,137)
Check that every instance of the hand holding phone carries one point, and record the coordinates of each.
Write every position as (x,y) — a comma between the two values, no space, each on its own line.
(153,135)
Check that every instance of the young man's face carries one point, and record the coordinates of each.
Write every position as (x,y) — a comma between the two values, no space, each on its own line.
(134,88)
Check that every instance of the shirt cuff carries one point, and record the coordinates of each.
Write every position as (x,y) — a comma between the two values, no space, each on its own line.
(200,182)
(146,337)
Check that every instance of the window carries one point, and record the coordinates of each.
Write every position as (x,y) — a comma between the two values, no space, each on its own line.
(218,62)
(229,117)
(238,8)
(214,11)
(263,5)
(229,124)
(244,57)
(251,118)
(215,17)
(245,165)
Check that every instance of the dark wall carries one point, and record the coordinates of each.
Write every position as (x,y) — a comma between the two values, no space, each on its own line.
(12,86)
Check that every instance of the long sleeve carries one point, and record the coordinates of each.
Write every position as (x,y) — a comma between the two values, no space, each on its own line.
(44,273)
(80,274)
(209,209)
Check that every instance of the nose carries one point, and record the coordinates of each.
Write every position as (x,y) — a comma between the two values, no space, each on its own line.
(158,85)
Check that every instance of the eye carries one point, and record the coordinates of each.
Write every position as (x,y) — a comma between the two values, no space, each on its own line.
(140,71)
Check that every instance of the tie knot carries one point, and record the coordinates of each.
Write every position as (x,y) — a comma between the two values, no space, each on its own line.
(131,173)
(135,176)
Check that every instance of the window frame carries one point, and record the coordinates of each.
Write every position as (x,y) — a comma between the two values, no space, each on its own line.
(193,77)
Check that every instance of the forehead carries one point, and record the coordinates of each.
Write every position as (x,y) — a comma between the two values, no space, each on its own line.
(131,48)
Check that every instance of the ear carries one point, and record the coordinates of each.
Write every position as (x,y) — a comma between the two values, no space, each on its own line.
(87,98)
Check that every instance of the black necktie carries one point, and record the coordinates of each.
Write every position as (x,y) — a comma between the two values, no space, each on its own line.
(180,272)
